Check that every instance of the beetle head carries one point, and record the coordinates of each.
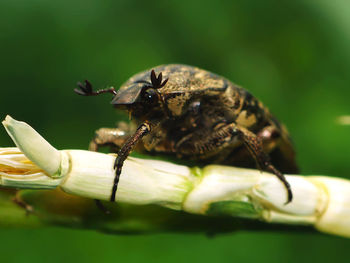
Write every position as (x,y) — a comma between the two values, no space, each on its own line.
(142,97)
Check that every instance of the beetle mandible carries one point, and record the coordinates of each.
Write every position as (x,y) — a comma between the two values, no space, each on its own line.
(195,114)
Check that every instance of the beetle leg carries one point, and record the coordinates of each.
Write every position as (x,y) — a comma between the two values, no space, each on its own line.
(101,207)
(254,145)
(20,202)
(114,137)
(124,152)
(220,142)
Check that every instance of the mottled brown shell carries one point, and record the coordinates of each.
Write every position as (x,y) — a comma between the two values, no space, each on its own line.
(232,104)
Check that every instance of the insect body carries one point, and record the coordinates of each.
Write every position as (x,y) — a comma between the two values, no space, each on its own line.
(195,114)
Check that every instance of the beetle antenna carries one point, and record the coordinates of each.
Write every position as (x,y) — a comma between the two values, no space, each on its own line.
(86,89)
(157,81)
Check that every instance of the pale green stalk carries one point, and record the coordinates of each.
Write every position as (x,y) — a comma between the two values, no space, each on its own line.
(319,201)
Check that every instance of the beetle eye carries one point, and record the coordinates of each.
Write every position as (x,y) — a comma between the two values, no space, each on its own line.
(150,96)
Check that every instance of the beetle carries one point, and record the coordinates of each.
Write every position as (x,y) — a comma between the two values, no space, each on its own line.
(198,115)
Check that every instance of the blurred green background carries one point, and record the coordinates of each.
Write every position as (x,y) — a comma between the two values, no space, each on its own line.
(293,55)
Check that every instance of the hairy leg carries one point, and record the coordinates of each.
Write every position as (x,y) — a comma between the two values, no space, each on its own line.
(124,152)
(114,137)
